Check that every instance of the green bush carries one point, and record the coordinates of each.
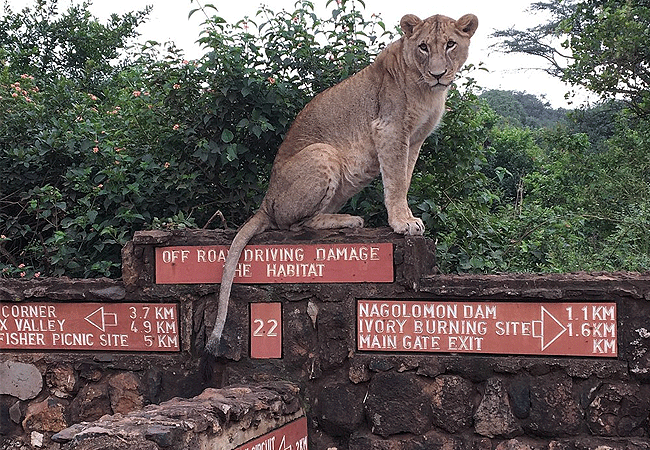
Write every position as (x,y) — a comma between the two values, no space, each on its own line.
(87,160)
(98,141)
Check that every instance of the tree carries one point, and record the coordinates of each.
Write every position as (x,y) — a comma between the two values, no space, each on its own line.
(602,45)
(522,109)
(47,44)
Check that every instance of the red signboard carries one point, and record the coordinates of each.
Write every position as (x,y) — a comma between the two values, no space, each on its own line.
(89,326)
(560,329)
(313,263)
(292,436)
(266,330)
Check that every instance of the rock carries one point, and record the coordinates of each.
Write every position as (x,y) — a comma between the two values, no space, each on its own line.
(381,364)
(452,401)
(124,392)
(20,380)
(9,410)
(519,394)
(396,404)
(333,336)
(432,440)
(152,385)
(618,409)
(217,418)
(372,442)
(36,439)
(48,415)
(513,444)
(430,367)
(493,417)
(15,413)
(90,372)
(339,408)
(91,403)
(162,435)
(61,380)
(359,372)
(553,410)
(299,341)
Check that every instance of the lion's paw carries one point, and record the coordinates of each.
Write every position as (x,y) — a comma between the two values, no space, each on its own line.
(412,226)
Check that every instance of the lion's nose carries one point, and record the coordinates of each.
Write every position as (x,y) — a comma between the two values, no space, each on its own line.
(438,76)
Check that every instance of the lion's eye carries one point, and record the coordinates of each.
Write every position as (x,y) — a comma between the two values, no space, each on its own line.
(451,44)
(423,47)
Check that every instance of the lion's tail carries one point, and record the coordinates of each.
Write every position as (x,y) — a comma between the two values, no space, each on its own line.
(255,225)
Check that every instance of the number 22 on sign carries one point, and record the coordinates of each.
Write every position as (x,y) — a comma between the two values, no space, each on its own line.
(266,330)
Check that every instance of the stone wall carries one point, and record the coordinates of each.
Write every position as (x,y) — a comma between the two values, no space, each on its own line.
(354,400)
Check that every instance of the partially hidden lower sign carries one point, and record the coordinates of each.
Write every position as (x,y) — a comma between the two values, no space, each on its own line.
(311,263)
(292,436)
(558,329)
(89,326)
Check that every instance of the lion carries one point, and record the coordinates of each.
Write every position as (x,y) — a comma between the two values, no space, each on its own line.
(369,124)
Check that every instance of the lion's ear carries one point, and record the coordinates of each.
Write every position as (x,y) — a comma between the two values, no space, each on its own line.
(467,24)
(408,23)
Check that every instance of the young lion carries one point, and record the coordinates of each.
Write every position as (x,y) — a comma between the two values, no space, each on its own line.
(374,122)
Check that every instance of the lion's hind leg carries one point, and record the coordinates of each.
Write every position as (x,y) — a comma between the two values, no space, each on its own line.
(308,191)
(328,221)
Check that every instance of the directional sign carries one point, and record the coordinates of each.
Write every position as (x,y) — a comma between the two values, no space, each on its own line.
(310,263)
(567,329)
(98,318)
(89,326)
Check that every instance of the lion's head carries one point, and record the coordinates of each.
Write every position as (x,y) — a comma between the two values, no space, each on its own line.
(437,47)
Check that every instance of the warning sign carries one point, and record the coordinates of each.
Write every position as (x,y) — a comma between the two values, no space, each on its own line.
(310,263)
(560,329)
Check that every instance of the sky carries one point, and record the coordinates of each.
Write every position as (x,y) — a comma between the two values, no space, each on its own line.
(169,21)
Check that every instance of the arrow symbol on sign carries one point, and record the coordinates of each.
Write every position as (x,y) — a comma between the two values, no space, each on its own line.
(547,325)
(98,319)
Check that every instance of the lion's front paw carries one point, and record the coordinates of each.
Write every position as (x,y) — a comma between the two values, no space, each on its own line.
(412,226)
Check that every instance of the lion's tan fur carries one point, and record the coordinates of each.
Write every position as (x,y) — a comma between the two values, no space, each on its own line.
(372,123)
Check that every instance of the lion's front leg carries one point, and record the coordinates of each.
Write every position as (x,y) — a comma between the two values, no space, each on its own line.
(396,172)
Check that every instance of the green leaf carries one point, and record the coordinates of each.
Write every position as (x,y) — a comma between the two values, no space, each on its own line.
(227,136)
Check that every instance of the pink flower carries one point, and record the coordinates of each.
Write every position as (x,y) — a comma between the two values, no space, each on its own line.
(271,80)
(22,274)
(95,149)
(136,93)
(37,274)
(176,86)
(166,165)
(20,266)
(176,127)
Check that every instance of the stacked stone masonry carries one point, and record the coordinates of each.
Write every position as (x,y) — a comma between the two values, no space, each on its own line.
(353,400)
